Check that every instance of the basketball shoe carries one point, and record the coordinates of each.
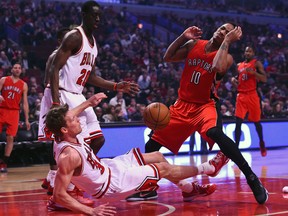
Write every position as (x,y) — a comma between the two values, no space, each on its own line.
(218,162)
(45,184)
(79,196)
(53,206)
(260,193)
(199,191)
(142,196)
(3,167)
(263,148)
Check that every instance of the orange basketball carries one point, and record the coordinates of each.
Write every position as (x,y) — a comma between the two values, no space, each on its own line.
(156,116)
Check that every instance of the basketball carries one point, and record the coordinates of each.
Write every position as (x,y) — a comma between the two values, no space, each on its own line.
(156,116)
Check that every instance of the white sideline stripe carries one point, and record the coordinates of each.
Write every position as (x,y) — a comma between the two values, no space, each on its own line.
(18,195)
(275,213)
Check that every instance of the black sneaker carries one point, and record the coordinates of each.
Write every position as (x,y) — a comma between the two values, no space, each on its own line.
(142,196)
(260,193)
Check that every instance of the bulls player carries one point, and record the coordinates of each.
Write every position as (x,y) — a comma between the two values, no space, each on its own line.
(107,177)
(250,71)
(13,90)
(73,67)
(195,110)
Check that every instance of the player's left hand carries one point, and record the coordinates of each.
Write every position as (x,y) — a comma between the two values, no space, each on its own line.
(128,87)
(234,34)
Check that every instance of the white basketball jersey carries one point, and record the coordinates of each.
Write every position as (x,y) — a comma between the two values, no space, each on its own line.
(74,74)
(95,176)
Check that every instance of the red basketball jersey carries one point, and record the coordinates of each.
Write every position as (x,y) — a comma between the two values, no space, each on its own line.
(12,93)
(197,76)
(246,81)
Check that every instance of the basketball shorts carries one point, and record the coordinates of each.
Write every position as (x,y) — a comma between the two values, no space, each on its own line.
(10,118)
(185,119)
(129,172)
(89,123)
(248,103)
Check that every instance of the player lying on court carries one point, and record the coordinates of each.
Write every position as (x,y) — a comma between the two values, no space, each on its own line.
(123,174)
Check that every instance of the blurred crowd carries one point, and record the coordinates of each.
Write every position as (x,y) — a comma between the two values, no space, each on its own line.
(128,52)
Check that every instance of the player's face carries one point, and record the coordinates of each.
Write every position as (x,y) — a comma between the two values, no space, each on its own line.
(249,53)
(72,124)
(221,32)
(92,18)
(16,70)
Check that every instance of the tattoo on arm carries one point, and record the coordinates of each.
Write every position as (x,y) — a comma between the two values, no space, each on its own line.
(224,46)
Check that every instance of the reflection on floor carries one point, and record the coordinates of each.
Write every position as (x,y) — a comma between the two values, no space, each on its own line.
(21,194)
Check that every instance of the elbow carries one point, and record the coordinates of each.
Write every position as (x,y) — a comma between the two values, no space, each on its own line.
(218,69)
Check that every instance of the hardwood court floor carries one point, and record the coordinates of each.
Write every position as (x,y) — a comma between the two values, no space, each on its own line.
(21,194)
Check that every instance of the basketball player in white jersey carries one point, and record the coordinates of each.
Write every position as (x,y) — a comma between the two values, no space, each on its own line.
(73,67)
(123,174)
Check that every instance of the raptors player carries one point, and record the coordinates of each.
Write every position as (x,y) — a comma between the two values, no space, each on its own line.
(248,101)
(13,89)
(195,110)
(106,177)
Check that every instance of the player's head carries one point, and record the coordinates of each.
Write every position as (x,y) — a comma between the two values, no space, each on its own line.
(249,52)
(224,29)
(91,14)
(16,69)
(61,122)
(61,33)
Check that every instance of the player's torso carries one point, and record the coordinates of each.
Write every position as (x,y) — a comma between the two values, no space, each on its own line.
(197,76)
(94,177)
(246,81)
(12,93)
(74,74)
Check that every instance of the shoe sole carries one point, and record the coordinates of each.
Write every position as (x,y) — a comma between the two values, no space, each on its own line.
(141,199)
(267,196)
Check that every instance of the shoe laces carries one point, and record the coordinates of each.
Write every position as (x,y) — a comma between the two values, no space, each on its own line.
(218,158)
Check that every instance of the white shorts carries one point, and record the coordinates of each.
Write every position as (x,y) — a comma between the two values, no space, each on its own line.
(130,173)
(89,123)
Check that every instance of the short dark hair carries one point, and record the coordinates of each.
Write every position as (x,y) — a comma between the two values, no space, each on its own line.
(87,6)
(55,120)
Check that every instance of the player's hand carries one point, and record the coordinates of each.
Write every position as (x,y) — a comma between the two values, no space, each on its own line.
(104,210)
(97,98)
(28,126)
(193,32)
(1,99)
(128,87)
(234,35)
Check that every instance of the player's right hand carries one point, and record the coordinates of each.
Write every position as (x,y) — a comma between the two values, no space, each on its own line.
(97,98)
(234,34)
(104,210)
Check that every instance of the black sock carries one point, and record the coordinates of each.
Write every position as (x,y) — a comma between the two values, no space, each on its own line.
(230,149)
(238,130)
(6,159)
(152,146)
(259,130)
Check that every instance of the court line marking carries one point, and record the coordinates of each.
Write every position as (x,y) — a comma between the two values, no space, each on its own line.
(17,195)
(171,208)
(275,213)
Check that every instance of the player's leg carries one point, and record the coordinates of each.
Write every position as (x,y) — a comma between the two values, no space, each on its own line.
(230,149)
(259,130)
(238,130)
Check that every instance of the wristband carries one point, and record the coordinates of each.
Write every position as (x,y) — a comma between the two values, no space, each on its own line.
(56,103)
(115,87)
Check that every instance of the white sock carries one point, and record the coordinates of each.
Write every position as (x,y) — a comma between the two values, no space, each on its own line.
(185,186)
(52,174)
(70,187)
(206,168)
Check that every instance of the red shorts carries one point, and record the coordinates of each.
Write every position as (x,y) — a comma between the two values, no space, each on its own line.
(185,119)
(10,118)
(248,103)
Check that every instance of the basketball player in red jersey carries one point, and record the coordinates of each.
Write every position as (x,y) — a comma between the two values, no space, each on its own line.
(248,101)
(73,67)
(195,110)
(13,90)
